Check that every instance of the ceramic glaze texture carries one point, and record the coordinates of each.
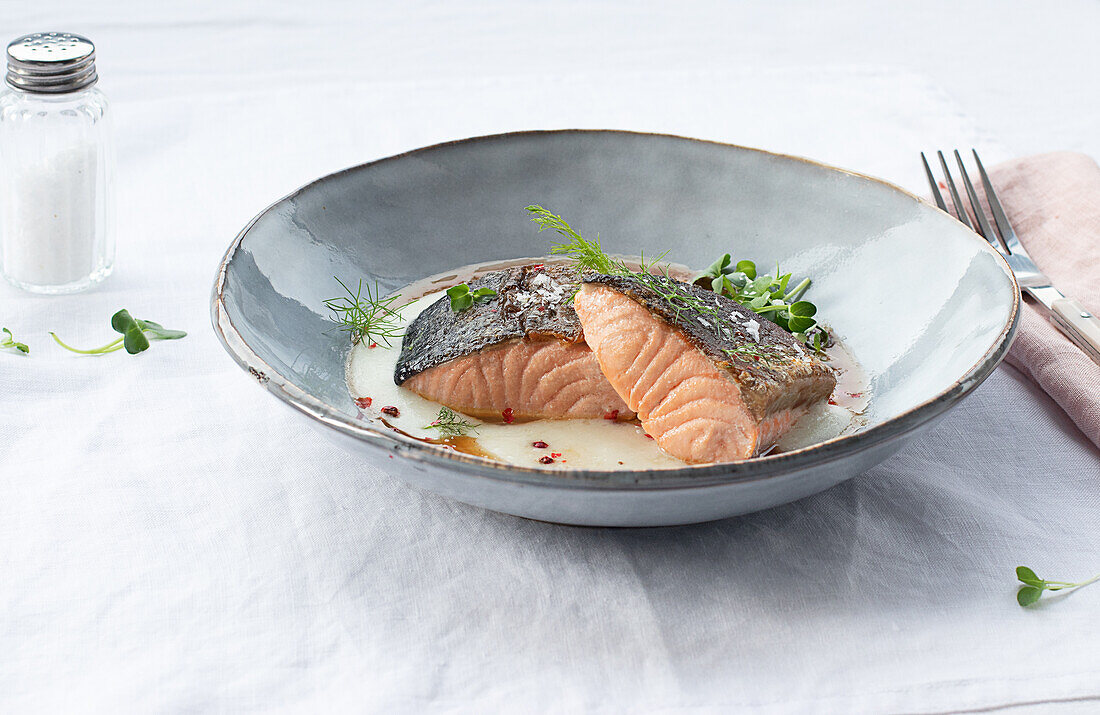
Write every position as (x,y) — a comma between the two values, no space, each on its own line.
(926,305)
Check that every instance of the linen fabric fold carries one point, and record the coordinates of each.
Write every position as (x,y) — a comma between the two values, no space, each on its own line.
(1053,203)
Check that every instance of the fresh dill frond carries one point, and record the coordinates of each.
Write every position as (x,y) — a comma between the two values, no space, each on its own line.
(365,315)
(450,424)
(767,353)
(585,254)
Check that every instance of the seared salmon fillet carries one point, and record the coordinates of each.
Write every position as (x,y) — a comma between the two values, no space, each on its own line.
(522,350)
(710,380)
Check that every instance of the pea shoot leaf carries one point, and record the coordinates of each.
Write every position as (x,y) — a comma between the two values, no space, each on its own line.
(1033,587)
(768,295)
(719,267)
(135,335)
(462,297)
(10,342)
(1027,576)
(1028,595)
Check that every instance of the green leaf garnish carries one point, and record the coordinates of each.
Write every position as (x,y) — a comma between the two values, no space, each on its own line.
(758,292)
(1033,587)
(586,254)
(1028,595)
(450,424)
(462,297)
(9,342)
(1027,576)
(135,335)
(718,269)
(746,267)
(769,296)
(366,316)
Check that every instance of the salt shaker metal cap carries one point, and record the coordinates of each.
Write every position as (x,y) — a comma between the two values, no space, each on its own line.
(51,63)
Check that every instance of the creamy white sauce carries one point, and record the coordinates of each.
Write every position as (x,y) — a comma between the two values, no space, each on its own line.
(579,444)
(572,444)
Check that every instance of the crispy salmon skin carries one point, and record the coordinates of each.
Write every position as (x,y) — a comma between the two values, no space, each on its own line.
(521,350)
(710,380)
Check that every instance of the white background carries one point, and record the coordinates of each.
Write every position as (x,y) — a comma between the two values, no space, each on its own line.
(173,539)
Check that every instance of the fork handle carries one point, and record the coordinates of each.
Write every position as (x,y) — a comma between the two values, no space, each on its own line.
(1079,325)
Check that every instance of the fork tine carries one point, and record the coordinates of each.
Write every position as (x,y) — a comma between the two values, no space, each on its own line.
(932,182)
(959,208)
(1008,236)
(983,223)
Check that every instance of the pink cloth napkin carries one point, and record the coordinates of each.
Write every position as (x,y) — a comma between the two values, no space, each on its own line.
(1053,202)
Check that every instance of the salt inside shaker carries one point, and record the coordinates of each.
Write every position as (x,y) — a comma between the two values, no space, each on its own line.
(56,167)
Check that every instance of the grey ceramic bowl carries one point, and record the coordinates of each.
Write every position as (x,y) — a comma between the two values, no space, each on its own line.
(928,308)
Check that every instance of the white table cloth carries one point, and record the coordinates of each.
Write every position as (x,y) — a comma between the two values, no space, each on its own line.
(173,539)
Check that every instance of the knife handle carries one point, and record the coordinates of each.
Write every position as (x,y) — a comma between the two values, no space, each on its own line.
(1079,325)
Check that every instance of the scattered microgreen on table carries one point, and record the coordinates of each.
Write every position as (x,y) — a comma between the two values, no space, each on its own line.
(1033,587)
(462,297)
(366,315)
(10,342)
(136,335)
(450,424)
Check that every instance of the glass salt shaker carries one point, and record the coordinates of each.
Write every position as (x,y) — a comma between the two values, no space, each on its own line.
(56,167)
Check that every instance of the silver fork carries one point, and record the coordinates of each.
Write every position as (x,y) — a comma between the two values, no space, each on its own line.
(1072,318)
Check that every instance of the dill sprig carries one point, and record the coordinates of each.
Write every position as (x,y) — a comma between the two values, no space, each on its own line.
(365,315)
(585,254)
(450,424)
(760,351)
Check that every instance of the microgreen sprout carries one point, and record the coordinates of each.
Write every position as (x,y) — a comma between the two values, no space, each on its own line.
(9,342)
(462,297)
(768,296)
(450,424)
(1034,586)
(366,315)
(136,335)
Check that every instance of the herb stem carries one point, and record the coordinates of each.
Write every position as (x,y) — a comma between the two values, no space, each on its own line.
(11,342)
(108,348)
(365,315)
(1070,584)
(798,291)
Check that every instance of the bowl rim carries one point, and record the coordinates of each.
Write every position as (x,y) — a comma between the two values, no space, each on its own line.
(687,477)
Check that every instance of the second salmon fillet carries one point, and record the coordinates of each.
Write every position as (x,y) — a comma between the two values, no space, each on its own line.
(710,380)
